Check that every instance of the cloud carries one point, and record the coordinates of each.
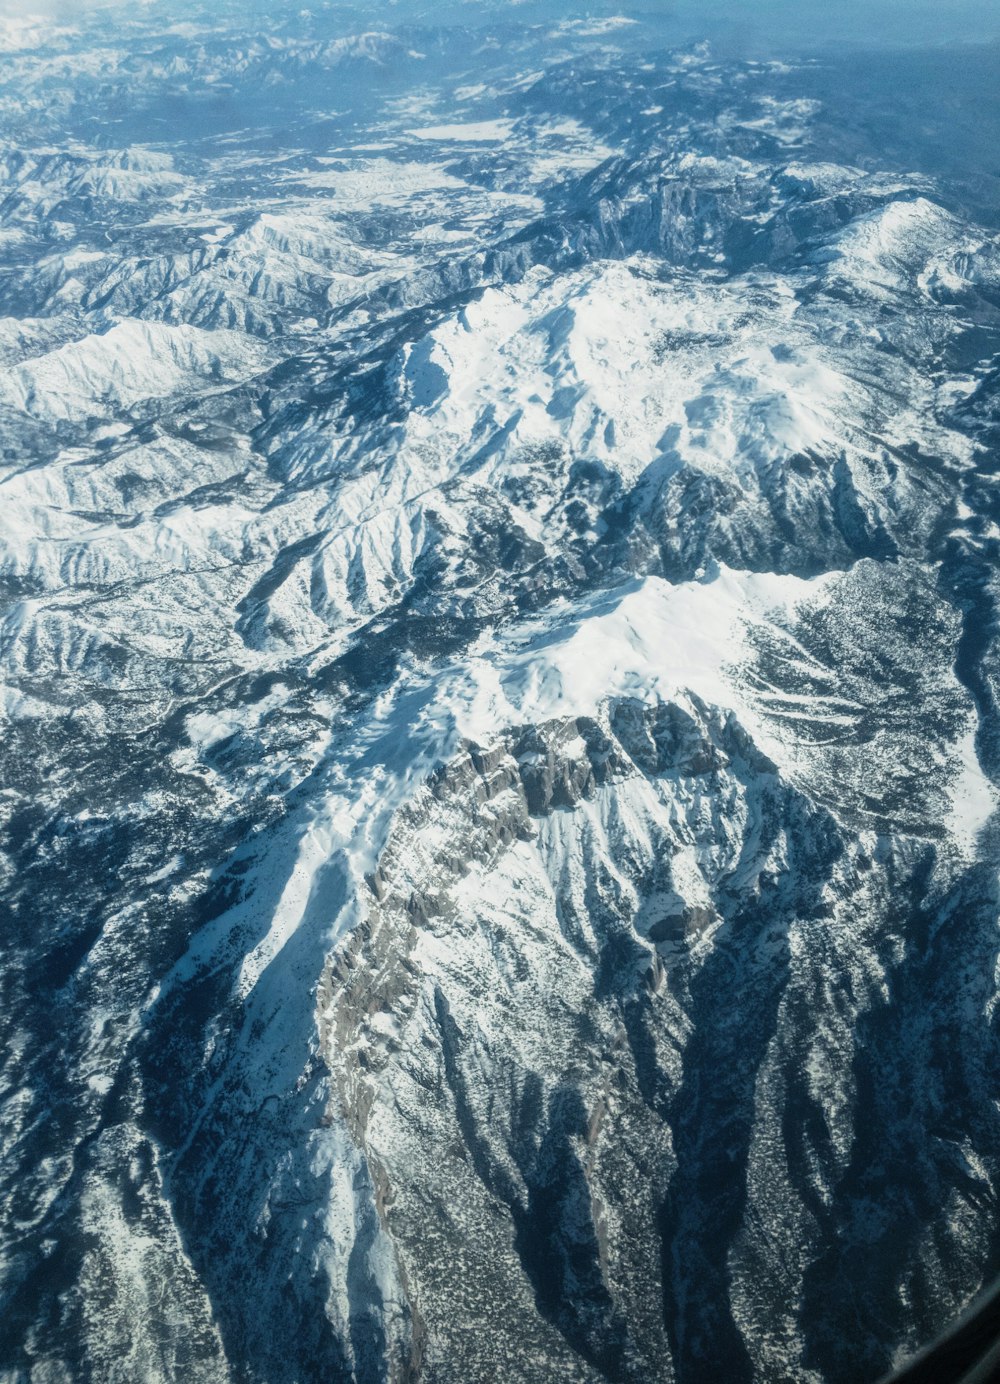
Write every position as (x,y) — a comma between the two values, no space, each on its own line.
(23,31)
(26,24)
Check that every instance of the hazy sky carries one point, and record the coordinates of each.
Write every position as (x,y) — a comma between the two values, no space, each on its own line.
(741,23)
(902,21)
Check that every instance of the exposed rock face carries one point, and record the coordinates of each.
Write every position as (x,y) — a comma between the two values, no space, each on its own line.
(499,682)
(630,941)
(508,1047)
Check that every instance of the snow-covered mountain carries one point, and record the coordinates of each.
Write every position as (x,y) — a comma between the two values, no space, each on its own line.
(499,700)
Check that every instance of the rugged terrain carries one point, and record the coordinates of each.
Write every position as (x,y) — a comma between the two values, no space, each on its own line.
(499,707)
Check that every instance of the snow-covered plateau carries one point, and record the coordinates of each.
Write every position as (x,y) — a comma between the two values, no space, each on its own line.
(499,699)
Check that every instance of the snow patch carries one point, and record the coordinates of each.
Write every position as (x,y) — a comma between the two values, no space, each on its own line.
(475,132)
